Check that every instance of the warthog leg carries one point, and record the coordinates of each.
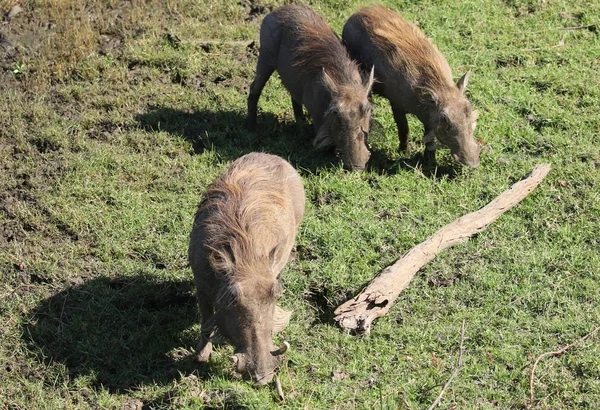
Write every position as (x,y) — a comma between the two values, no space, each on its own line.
(430,147)
(402,124)
(264,69)
(204,347)
(298,112)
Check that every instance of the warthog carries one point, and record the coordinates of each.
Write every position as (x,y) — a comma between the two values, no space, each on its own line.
(416,78)
(316,70)
(242,237)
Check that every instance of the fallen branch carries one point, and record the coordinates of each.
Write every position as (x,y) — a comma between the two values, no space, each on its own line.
(240,43)
(279,389)
(357,314)
(455,372)
(578,27)
(529,33)
(556,353)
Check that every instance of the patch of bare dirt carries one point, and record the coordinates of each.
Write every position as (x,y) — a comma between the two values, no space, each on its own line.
(256,10)
(56,38)
(20,37)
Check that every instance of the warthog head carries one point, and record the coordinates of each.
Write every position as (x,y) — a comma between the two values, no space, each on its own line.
(249,318)
(455,123)
(347,121)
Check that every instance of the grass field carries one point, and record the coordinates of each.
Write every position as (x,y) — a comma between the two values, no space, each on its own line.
(114,117)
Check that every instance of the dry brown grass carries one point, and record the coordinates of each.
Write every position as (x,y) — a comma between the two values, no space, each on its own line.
(68,32)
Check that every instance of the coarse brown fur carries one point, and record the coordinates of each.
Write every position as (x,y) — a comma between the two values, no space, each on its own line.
(243,233)
(319,47)
(410,51)
(243,209)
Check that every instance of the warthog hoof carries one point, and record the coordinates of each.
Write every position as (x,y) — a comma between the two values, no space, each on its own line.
(204,351)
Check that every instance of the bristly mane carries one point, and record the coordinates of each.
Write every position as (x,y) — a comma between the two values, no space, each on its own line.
(320,48)
(241,210)
(409,50)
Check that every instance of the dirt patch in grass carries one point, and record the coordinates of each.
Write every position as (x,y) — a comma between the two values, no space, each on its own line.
(42,43)
(256,10)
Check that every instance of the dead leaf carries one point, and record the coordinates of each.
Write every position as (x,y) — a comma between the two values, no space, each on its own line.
(566,16)
(435,361)
(338,375)
(133,405)
(14,10)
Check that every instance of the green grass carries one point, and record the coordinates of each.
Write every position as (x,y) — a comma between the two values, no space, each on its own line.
(115,116)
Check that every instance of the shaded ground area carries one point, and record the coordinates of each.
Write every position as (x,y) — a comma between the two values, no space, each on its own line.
(223,131)
(119,333)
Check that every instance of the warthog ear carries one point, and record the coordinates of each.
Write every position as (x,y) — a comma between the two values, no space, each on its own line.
(281,318)
(274,257)
(428,95)
(329,83)
(463,81)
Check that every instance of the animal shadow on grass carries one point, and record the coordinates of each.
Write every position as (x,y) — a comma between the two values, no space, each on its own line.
(429,168)
(120,332)
(384,165)
(326,300)
(223,131)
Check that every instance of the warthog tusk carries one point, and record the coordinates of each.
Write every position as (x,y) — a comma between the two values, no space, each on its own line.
(284,348)
(234,359)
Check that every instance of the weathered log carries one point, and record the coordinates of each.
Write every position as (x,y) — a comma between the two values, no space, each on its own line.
(357,314)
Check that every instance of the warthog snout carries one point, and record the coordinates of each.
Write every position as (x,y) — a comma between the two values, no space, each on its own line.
(472,163)
(470,157)
(353,166)
(261,371)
